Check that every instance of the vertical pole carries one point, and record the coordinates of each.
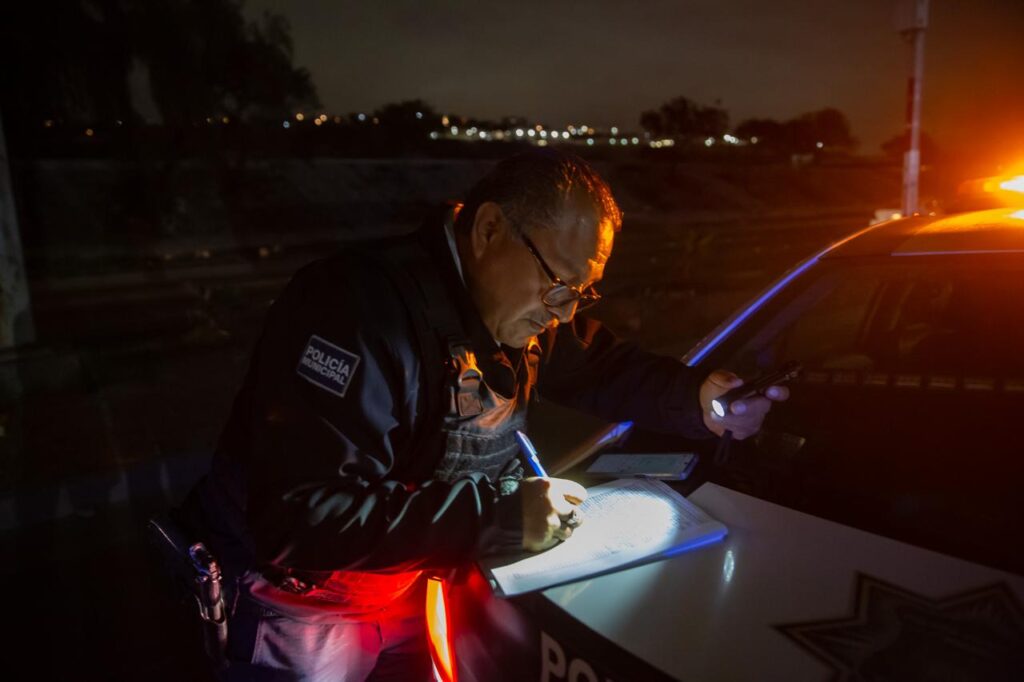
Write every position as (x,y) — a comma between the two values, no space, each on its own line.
(15,312)
(912,157)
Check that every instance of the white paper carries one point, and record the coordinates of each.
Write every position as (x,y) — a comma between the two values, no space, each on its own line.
(626,522)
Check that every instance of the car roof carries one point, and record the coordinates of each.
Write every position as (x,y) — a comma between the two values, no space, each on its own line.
(996,231)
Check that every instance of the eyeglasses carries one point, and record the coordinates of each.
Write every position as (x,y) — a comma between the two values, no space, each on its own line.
(561,294)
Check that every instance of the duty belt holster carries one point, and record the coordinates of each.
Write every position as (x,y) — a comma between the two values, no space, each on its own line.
(197,578)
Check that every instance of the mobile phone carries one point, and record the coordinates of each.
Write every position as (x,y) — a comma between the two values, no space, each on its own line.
(670,466)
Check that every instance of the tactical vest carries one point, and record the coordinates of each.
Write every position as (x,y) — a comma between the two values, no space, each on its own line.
(471,424)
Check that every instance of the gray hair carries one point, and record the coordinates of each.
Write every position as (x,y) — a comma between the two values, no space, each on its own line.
(532,187)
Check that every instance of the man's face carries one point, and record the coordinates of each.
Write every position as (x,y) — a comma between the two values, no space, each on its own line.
(506,281)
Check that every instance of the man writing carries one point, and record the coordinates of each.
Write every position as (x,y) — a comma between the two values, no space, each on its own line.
(373,438)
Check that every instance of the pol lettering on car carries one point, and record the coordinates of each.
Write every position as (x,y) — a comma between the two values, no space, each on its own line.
(327,366)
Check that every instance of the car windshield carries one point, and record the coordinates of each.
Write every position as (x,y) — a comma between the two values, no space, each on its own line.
(904,420)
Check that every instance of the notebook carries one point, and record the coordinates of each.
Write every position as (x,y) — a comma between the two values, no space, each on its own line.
(627,522)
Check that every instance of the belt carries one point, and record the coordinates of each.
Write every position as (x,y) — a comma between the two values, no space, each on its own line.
(290,580)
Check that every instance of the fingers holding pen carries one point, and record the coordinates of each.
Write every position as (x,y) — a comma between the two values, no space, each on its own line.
(550,510)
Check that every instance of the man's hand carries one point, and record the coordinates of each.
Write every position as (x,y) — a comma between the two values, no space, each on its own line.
(745,416)
(547,502)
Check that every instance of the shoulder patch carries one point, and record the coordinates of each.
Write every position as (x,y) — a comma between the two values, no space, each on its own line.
(325,365)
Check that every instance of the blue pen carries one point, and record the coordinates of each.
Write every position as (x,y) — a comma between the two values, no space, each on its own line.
(531,454)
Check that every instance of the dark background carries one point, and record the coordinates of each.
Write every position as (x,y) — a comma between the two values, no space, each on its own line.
(169,174)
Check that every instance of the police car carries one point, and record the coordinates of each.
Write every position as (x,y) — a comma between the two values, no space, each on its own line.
(876,525)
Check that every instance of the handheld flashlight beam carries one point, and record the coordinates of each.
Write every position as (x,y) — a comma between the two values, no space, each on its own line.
(756,387)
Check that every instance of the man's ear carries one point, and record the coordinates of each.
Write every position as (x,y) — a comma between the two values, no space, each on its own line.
(489,225)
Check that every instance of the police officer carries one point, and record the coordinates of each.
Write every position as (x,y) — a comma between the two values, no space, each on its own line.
(372,440)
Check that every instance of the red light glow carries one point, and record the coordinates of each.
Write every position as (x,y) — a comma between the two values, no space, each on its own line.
(439,631)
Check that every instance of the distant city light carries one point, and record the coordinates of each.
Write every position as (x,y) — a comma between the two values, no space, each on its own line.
(519,132)
(623,141)
(300,116)
(48,123)
(615,131)
(483,135)
(709,141)
(224,120)
(730,139)
(434,135)
(419,114)
(361,117)
(286,124)
(499,134)
(444,120)
(531,132)
(318,122)
(376,120)
(455,130)
(323,117)
(590,141)
(612,141)
(819,145)
(542,143)
(636,140)
(543,133)
(753,140)
(89,132)
(538,127)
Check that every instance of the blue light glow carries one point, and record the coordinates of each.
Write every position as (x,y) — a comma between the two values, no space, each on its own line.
(750,310)
(703,542)
(614,433)
(705,347)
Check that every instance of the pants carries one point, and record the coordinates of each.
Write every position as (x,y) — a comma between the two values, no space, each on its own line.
(265,645)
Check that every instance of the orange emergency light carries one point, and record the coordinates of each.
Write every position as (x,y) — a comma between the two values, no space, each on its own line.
(439,631)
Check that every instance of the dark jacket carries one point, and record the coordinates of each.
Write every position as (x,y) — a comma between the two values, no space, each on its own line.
(332,469)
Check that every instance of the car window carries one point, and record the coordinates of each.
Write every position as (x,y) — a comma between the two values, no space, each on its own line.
(927,319)
(903,421)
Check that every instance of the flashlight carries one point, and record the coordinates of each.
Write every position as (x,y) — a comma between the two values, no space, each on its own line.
(721,404)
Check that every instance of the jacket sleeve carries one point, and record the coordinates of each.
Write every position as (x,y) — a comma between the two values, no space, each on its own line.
(585,366)
(336,400)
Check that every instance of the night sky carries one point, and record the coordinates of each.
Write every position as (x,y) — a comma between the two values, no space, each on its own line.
(601,62)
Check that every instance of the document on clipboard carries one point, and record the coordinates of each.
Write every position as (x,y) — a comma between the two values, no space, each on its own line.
(627,523)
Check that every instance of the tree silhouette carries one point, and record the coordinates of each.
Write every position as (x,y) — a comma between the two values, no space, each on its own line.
(807,133)
(765,131)
(205,60)
(64,61)
(409,120)
(69,61)
(684,118)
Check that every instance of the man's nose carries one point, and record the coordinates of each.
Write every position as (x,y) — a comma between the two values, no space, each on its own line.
(564,313)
